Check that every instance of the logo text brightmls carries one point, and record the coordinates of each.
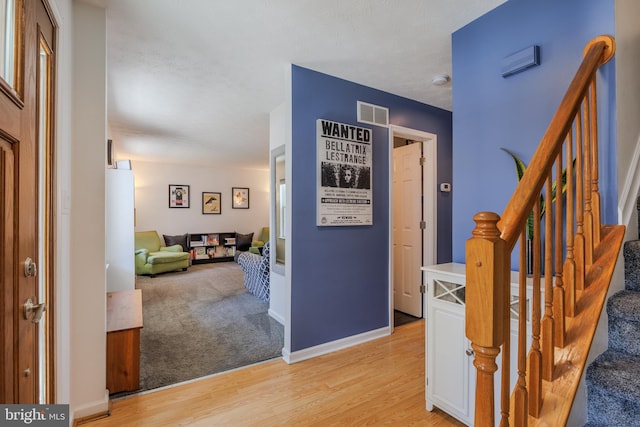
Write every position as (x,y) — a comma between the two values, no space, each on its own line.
(38,415)
(25,416)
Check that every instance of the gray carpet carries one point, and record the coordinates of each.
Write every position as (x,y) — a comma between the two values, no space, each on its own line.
(202,322)
(613,378)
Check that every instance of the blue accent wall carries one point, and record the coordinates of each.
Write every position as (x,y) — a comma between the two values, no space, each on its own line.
(339,275)
(490,111)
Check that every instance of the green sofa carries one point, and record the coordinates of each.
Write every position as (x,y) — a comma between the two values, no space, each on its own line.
(153,258)
(258,244)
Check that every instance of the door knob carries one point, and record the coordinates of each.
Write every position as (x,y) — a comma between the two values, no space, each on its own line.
(33,311)
(30,268)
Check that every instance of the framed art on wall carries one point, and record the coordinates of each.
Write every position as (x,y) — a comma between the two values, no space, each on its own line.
(239,198)
(211,203)
(179,196)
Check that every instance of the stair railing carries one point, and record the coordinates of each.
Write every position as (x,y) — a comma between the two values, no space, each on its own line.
(560,190)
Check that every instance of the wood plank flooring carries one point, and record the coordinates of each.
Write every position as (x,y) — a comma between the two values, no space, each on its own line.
(377,383)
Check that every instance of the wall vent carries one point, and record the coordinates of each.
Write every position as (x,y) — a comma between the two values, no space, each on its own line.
(373,114)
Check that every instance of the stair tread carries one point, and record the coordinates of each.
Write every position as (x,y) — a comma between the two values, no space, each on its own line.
(625,304)
(617,373)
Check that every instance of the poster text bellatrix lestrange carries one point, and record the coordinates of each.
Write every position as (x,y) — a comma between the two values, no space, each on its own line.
(340,151)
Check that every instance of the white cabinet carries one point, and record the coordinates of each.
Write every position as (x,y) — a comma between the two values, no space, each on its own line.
(120,244)
(450,374)
(449,367)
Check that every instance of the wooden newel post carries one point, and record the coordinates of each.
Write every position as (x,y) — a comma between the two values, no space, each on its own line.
(487,289)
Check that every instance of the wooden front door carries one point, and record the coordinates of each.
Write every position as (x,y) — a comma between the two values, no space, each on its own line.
(26,182)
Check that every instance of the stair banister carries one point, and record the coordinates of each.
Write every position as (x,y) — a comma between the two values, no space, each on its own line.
(598,52)
(488,253)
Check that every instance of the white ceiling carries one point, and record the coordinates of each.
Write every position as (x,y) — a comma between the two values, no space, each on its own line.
(193,81)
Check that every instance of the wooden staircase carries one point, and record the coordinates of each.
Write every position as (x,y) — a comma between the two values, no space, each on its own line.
(574,256)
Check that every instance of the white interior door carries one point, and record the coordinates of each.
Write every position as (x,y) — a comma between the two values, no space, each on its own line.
(407,234)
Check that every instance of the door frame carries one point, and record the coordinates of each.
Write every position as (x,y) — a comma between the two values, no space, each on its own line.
(429,205)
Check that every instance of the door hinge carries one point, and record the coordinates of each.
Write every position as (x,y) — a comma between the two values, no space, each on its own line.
(423,160)
(423,289)
(423,225)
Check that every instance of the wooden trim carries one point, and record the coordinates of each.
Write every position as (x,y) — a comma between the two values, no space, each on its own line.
(7,272)
(11,94)
(20,53)
(91,418)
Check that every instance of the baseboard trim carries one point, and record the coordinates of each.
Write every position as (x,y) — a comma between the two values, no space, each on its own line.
(628,196)
(330,347)
(276,316)
(92,411)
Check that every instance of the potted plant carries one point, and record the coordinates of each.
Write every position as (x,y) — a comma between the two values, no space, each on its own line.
(521,168)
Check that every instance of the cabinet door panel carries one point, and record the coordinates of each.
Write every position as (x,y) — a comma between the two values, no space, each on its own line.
(451,374)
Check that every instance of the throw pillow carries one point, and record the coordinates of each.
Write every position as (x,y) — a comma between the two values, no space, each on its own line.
(176,240)
(243,241)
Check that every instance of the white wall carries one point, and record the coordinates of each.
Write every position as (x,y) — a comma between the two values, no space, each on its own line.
(627,67)
(62,13)
(152,198)
(278,297)
(628,105)
(87,201)
(279,281)
(121,274)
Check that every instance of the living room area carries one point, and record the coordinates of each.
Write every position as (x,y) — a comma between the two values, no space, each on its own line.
(198,316)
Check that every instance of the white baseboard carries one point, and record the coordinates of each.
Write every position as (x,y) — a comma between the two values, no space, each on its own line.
(276,316)
(92,409)
(629,194)
(330,347)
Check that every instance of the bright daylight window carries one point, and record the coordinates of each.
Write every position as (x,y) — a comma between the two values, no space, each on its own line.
(7,40)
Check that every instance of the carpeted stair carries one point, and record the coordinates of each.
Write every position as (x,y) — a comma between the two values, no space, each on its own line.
(613,379)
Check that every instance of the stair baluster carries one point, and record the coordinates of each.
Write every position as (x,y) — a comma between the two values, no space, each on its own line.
(570,264)
(558,289)
(588,217)
(595,192)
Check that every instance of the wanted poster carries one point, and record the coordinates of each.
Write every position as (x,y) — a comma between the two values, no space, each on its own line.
(344,174)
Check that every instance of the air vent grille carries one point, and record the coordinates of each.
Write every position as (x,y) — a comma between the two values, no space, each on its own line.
(373,114)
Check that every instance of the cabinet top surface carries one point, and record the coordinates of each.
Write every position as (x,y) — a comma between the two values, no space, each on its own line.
(451,267)
(124,310)
(458,269)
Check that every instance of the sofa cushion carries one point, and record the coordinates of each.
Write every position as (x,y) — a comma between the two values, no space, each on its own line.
(243,241)
(166,257)
(176,240)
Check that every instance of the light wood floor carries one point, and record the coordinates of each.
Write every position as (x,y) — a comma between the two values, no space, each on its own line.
(377,383)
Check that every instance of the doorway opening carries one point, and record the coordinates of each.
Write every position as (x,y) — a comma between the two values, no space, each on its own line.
(413,209)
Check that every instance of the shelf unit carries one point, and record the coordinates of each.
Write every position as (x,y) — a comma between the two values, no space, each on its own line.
(212,247)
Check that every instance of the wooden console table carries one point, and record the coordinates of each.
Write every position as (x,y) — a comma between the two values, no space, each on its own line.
(124,321)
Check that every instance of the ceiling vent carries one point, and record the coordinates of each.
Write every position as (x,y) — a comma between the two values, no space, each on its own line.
(373,114)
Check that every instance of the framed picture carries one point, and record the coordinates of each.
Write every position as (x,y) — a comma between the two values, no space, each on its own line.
(239,198)
(179,196)
(211,203)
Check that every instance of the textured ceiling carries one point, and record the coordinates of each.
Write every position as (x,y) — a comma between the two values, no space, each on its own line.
(193,81)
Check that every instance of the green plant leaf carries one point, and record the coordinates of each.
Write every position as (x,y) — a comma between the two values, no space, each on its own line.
(521,167)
